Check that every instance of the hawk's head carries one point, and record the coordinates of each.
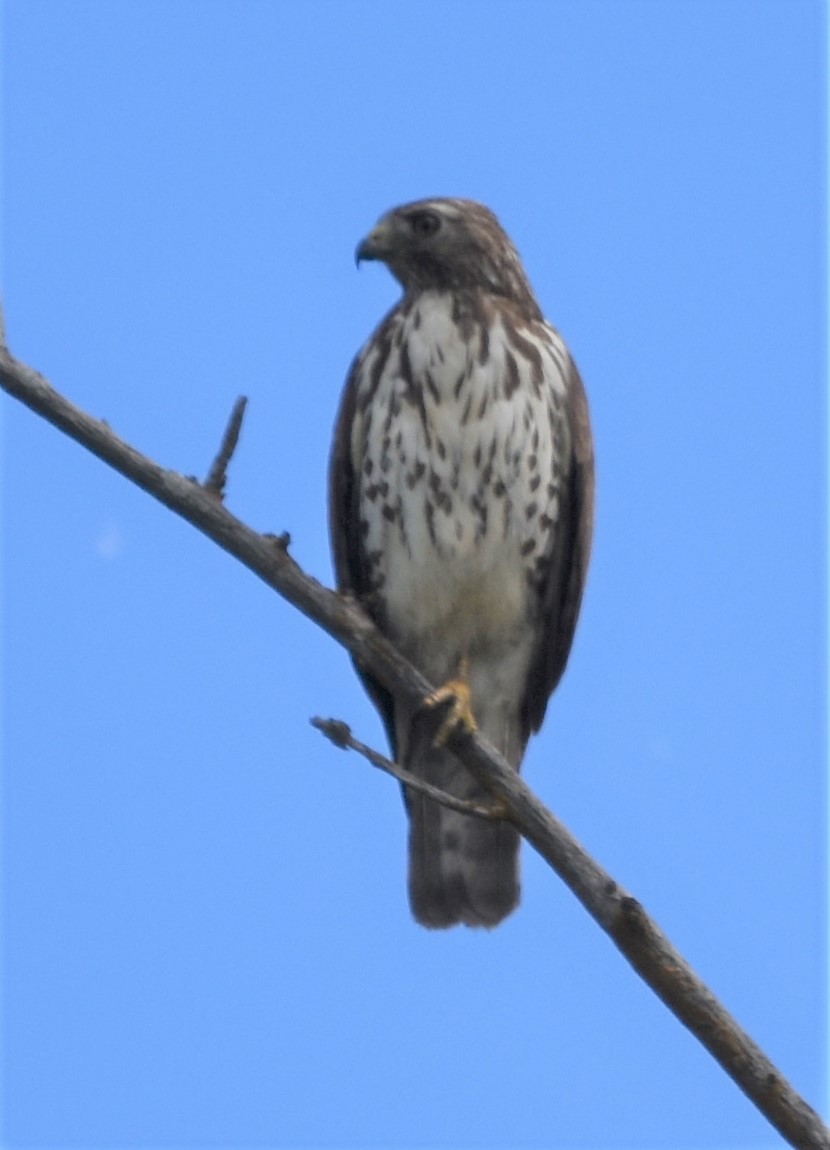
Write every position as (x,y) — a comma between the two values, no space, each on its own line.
(448,245)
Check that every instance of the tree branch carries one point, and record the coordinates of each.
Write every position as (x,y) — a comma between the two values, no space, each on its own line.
(218,474)
(623,918)
(340,734)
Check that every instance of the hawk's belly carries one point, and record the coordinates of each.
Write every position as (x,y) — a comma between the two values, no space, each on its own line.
(453,531)
(472,595)
(456,446)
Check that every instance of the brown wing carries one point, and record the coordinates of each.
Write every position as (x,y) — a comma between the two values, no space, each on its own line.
(565,581)
(350,567)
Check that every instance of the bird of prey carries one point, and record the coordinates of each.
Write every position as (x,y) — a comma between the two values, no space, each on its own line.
(461,507)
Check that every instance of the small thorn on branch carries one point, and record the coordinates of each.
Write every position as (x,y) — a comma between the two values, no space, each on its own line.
(218,474)
(281,541)
(335,730)
(341,735)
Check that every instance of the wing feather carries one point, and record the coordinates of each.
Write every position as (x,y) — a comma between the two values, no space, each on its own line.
(565,582)
(351,568)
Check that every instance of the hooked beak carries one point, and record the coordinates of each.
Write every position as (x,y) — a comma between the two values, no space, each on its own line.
(375,246)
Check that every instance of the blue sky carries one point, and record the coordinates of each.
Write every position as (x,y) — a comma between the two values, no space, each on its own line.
(206,934)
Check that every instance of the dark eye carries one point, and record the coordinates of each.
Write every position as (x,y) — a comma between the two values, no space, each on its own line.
(425,223)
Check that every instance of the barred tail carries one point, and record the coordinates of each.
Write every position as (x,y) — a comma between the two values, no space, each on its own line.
(462,869)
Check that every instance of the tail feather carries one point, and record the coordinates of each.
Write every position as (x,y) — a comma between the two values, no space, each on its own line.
(462,869)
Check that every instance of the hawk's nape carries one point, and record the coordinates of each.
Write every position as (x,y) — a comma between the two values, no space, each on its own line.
(461,509)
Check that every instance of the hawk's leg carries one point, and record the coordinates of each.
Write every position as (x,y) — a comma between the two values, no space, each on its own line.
(457,693)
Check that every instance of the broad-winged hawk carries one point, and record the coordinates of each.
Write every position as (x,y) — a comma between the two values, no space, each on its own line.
(461,502)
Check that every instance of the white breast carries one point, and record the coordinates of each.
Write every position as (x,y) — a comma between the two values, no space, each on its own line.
(461,479)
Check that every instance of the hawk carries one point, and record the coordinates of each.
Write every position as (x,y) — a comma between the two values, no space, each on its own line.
(461,508)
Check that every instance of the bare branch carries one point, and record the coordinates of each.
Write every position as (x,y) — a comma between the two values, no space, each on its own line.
(621,916)
(341,735)
(218,474)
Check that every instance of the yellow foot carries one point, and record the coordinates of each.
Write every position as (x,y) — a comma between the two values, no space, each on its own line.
(460,714)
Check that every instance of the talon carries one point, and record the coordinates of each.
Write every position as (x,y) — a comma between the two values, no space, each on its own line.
(458,694)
